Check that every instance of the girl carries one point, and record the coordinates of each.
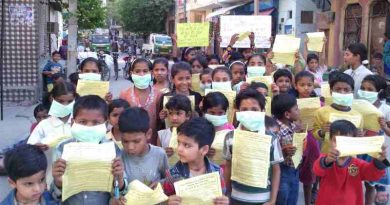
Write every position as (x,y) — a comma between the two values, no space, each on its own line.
(49,132)
(205,79)
(142,94)
(160,73)
(181,79)
(115,108)
(213,59)
(222,78)
(198,64)
(256,65)
(315,65)
(188,53)
(237,69)
(304,85)
(374,89)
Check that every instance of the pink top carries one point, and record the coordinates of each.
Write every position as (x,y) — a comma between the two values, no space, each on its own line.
(227,126)
(150,106)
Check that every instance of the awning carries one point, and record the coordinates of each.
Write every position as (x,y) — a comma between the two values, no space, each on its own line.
(222,11)
(266,12)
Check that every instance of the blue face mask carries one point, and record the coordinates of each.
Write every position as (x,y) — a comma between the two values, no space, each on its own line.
(367,95)
(254,71)
(342,99)
(216,120)
(222,85)
(203,87)
(142,81)
(252,120)
(90,76)
(93,134)
(59,110)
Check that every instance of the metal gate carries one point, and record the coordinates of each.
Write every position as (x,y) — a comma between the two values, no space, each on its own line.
(352,24)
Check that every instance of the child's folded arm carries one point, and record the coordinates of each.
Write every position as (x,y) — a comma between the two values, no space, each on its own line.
(372,171)
(320,167)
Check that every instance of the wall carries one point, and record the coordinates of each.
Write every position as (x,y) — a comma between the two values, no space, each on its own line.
(284,7)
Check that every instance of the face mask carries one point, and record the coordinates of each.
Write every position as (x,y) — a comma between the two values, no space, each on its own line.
(93,134)
(222,85)
(217,120)
(205,86)
(59,110)
(141,81)
(342,99)
(254,71)
(367,95)
(252,120)
(90,76)
(237,87)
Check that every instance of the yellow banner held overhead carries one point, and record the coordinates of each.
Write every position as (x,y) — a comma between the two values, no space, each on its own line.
(285,48)
(193,34)
(316,41)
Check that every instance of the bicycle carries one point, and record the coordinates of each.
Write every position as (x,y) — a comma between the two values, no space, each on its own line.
(106,74)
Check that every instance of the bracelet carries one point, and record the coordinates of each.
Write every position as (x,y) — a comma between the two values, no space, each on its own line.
(124,191)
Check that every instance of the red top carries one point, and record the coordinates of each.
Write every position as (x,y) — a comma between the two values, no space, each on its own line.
(343,184)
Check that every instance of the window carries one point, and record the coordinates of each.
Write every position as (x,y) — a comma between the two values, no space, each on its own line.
(307,17)
(290,14)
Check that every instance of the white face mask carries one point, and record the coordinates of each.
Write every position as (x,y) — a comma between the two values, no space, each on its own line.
(368,95)
(59,110)
(252,120)
(216,120)
(203,87)
(255,71)
(93,134)
(222,85)
(90,76)
(142,81)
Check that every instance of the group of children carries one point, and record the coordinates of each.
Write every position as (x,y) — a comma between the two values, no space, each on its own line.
(161,105)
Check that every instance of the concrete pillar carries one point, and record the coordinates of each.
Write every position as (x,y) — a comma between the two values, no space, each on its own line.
(72,39)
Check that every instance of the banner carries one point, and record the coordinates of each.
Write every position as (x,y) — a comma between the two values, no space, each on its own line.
(193,34)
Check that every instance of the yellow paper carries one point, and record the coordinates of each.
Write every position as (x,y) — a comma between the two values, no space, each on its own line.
(267,80)
(230,96)
(86,87)
(251,158)
(140,194)
(172,160)
(88,168)
(193,34)
(370,114)
(218,146)
(195,83)
(356,120)
(307,107)
(325,92)
(243,36)
(268,106)
(298,140)
(198,190)
(316,41)
(284,49)
(350,146)
(165,101)
(52,142)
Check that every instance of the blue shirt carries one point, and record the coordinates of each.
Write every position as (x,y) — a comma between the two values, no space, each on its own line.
(46,199)
(52,66)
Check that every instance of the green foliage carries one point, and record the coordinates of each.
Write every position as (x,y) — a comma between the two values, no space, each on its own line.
(144,16)
(90,14)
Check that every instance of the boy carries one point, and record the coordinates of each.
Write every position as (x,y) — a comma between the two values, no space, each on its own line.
(283,79)
(195,137)
(179,111)
(90,114)
(285,109)
(26,167)
(341,86)
(251,100)
(142,161)
(341,177)
(52,67)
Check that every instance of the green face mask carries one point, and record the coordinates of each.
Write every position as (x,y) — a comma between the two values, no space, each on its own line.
(59,110)
(252,120)
(255,71)
(141,81)
(93,134)
(216,120)
(342,99)
(90,76)
(367,95)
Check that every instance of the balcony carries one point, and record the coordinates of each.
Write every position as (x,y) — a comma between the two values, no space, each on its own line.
(198,5)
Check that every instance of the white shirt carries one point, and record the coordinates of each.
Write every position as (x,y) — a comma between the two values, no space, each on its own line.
(358,75)
(165,137)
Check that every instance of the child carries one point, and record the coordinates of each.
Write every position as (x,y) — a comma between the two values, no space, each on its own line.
(260,87)
(160,73)
(40,113)
(222,78)
(142,94)
(90,116)
(142,161)
(283,80)
(179,110)
(115,108)
(198,64)
(205,79)
(74,78)
(181,79)
(194,140)
(26,167)
(52,67)
(249,102)
(213,59)
(341,86)
(304,87)
(237,69)
(350,171)
(214,108)
(285,110)
(256,65)
(353,57)
(386,55)
(377,64)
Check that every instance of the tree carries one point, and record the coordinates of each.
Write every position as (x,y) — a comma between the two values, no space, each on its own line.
(144,16)
(90,14)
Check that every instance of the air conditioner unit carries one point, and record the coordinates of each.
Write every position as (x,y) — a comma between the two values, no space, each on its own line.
(52,27)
